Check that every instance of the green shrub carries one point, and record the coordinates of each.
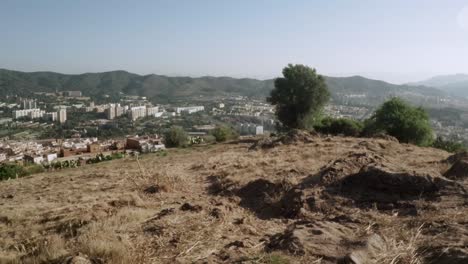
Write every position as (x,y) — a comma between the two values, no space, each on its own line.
(175,137)
(223,133)
(448,145)
(33,169)
(11,171)
(408,124)
(340,126)
(370,128)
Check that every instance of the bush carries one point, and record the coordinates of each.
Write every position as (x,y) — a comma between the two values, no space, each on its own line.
(340,126)
(448,145)
(408,124)
(175,137)
(223,133)
(13,171)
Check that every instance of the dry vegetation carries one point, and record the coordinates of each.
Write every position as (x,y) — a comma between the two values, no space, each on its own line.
(302,199)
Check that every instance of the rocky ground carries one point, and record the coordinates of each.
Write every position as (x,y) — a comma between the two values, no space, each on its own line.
(299,198)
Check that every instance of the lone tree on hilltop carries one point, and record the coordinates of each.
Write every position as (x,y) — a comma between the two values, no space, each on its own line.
(299,96)
(408,124)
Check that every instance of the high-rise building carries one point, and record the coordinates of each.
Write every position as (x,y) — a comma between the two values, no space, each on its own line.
(52,116)
(137,112)
(31,113)
(110,112)
(29,104)
(151,110)
(119,110)
(62,115)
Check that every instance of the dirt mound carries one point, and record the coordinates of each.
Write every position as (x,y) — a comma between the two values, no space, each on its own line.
(342,167)
(264,197)
(331,241)
(386,137)
(292,137)
(384,184)
(459,169)
(457,157)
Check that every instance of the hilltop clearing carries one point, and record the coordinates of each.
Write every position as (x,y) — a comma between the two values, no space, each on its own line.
(299,198)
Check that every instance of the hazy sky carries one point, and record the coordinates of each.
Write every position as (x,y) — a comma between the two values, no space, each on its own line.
(393,40)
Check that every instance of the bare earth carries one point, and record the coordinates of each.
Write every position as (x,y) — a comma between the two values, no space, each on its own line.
(300,199)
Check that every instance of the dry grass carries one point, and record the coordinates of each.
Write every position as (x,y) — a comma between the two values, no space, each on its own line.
(104,212)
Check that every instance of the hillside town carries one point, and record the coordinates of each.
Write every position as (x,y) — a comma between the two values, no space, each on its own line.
(86,121)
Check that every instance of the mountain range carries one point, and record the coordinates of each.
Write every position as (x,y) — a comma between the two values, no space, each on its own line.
(161,88)
(455,84)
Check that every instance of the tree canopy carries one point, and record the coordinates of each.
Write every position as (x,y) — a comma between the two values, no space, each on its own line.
(408,124)
(299,96)
(175,137)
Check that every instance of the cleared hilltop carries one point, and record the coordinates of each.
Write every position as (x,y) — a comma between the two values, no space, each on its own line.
(299,198)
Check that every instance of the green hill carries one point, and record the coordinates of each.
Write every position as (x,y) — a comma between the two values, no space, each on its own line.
(164,88)
(456,84)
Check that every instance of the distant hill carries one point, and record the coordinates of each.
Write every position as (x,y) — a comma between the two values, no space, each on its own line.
(456,84)
(164,88)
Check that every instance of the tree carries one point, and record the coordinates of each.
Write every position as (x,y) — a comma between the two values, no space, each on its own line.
(408,124)
(223,133)
(299,96)
(175,137)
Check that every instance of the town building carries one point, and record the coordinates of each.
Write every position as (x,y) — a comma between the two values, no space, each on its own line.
(31,113)
(151,111)
(137,112)
(110,112)
(29,104)
(62,115)
(51,116)
(94,147)
(73,93)
(33,159)
(145,144)
(189,109)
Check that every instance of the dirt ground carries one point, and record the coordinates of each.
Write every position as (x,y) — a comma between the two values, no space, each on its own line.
(298,199)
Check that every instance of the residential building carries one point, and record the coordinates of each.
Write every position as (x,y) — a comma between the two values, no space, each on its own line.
(94,147)
(110,112)
(52,116)
(189,109)
(31,113)
(151,111)
(36,159)
(73,93)
(62,115)
(3,157)
(145,144)
(29,104)
(50,157)
(137,112)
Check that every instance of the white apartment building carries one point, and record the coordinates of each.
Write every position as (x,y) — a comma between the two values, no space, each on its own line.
(29,104)
(189,109)
(151,111)
(31,113)
(52,116)
(137,112)
(110,112)
(62,115)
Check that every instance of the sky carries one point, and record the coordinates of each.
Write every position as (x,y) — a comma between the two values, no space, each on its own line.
(393,40)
